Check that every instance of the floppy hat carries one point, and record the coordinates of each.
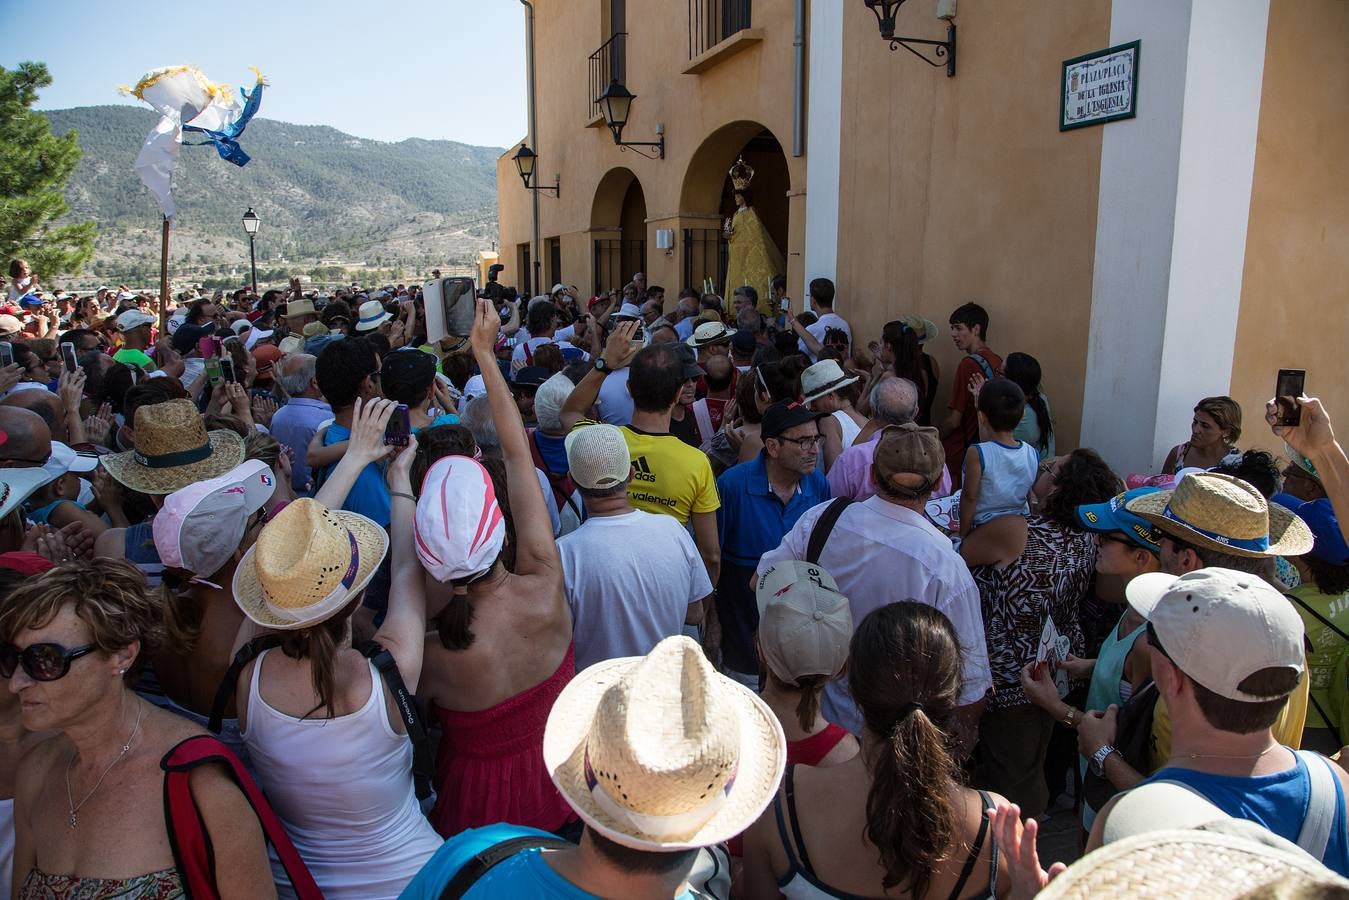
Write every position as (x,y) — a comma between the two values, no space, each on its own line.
(459,527)
(1225,514)
(805,622)
(1111,516)
(925,328)
(17,485)
(372,315)
(713,332)
(134,318)
(290,344)
(1325,527)
(64,459)
(173,450)
(628,311)
(1224,861)
(307,565)
(597,456)
(824,377)
(661,753)
(784,414)
(1219,626)
(314,329)
(199,527)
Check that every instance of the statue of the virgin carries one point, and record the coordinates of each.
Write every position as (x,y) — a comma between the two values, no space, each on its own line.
(753,258)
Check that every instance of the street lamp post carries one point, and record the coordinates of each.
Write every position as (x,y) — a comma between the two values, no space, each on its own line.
(251,223)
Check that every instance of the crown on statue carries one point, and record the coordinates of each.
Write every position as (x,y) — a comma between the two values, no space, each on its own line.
(742,173)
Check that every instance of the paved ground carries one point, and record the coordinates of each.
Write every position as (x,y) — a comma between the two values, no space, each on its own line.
(1059,836)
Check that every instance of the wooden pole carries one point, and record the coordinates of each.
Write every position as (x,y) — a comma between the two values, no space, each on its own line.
(164,280)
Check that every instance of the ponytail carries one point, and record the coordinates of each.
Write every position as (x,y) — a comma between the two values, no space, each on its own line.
(1036,401)
(808,707)
(182,611)
(456,620)
(910,819)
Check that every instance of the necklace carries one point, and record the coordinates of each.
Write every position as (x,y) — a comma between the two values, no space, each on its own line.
(72,806)
(1238,756)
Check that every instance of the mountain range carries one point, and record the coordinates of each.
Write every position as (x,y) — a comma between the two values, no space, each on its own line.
(326,199)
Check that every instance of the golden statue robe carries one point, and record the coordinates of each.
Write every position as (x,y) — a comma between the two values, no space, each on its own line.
(753,259)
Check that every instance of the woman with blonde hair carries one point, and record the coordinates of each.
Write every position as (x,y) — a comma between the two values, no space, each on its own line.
(89,818)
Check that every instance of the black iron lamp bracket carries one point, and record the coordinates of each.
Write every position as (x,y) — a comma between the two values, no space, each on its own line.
(943,51)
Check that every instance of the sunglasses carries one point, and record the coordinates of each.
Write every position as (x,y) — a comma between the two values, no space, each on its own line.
(42,662)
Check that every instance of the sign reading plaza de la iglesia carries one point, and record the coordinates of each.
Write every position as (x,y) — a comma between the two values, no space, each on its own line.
(1099,87)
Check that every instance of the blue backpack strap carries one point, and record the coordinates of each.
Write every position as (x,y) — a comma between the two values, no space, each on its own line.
(983,364)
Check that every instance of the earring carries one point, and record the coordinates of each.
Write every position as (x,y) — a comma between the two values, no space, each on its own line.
(121,671)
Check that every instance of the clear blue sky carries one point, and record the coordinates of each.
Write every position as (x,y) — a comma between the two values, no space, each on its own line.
(452,69)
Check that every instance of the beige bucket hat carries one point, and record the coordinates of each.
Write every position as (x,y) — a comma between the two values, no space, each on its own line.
(307,564)
(1225,514)
(661,753)
(173,450)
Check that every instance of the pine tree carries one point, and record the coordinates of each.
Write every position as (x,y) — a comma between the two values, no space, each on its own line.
(34,168)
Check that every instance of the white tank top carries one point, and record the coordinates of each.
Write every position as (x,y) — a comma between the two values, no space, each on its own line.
(850,428)
(343,789)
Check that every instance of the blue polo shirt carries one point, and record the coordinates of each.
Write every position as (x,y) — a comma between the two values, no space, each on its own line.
(752,519)
(369,496)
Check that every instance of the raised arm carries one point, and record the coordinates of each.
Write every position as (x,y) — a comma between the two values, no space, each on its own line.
(366,446)
(1314,438)
(535,551)
(617,353)
(403,632)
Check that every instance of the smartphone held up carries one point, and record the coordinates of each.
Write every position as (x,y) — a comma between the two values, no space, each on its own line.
(399,428)
(1291,384)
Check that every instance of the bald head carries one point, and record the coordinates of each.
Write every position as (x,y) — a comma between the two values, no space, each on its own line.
(894,401)
(27,439)
(45,404)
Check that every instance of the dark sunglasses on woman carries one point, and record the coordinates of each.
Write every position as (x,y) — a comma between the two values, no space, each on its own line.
(42,662)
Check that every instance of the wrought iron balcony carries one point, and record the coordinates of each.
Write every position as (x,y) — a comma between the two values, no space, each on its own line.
(713,21)
(606,64)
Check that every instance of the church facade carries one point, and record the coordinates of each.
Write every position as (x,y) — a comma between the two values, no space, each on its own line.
(1189,249)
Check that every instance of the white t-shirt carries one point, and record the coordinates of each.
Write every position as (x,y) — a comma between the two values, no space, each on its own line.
(882,553)
(614,401)
(828,320)
(630,580)
(519,360)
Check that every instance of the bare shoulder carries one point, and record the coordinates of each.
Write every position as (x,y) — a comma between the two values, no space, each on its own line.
(37,763)
(111,544)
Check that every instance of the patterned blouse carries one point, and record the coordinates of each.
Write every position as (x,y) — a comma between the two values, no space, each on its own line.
(1049,579)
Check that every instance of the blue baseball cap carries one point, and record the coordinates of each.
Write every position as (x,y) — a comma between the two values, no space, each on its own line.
(30,300)
(1112,517)
(1325,525)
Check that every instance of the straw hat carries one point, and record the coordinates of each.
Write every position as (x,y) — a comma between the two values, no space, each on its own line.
(303,307)
(660,752)
(307,564)
(926,328)
(1225,860)
(173,450)
(716,332)
(1222,513)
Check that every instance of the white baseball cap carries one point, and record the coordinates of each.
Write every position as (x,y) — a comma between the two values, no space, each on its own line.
(1220,626)
(239,326)
(597,456)
(805,622)
(200,526)
(134,318)
(459,526)
(64,459)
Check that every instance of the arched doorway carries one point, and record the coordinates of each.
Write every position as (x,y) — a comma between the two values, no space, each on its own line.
(706,195)
(618,230)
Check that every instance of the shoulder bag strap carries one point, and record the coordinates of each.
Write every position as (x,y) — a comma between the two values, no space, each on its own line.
(422,767)
(1314,836)
(823,526)
(230,683)
(983,364)
(1320,618)
(482,863)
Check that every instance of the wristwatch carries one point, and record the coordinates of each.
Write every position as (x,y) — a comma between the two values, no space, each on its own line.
(601,366)
(1099,757)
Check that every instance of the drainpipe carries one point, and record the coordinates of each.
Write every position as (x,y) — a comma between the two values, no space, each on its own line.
(534,143)
(798,81)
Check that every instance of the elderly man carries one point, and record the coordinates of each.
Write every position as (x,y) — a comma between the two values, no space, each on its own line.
(61,411)
(884,550)
(894,401)
(295,423)
(686,310)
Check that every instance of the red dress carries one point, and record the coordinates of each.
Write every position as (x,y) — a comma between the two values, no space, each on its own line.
(489,766)
(805,752)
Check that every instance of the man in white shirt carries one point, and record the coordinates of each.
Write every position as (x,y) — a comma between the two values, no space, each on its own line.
(632,578)
(884,550)
(822,301)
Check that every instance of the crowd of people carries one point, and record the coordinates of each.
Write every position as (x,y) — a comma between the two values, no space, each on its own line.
(623,597)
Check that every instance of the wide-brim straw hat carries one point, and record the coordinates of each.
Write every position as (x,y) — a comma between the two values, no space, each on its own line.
(714,332)
(307,564)
(1225,514)
(925,328)
(173,450)
(1226,860)
(661,753)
